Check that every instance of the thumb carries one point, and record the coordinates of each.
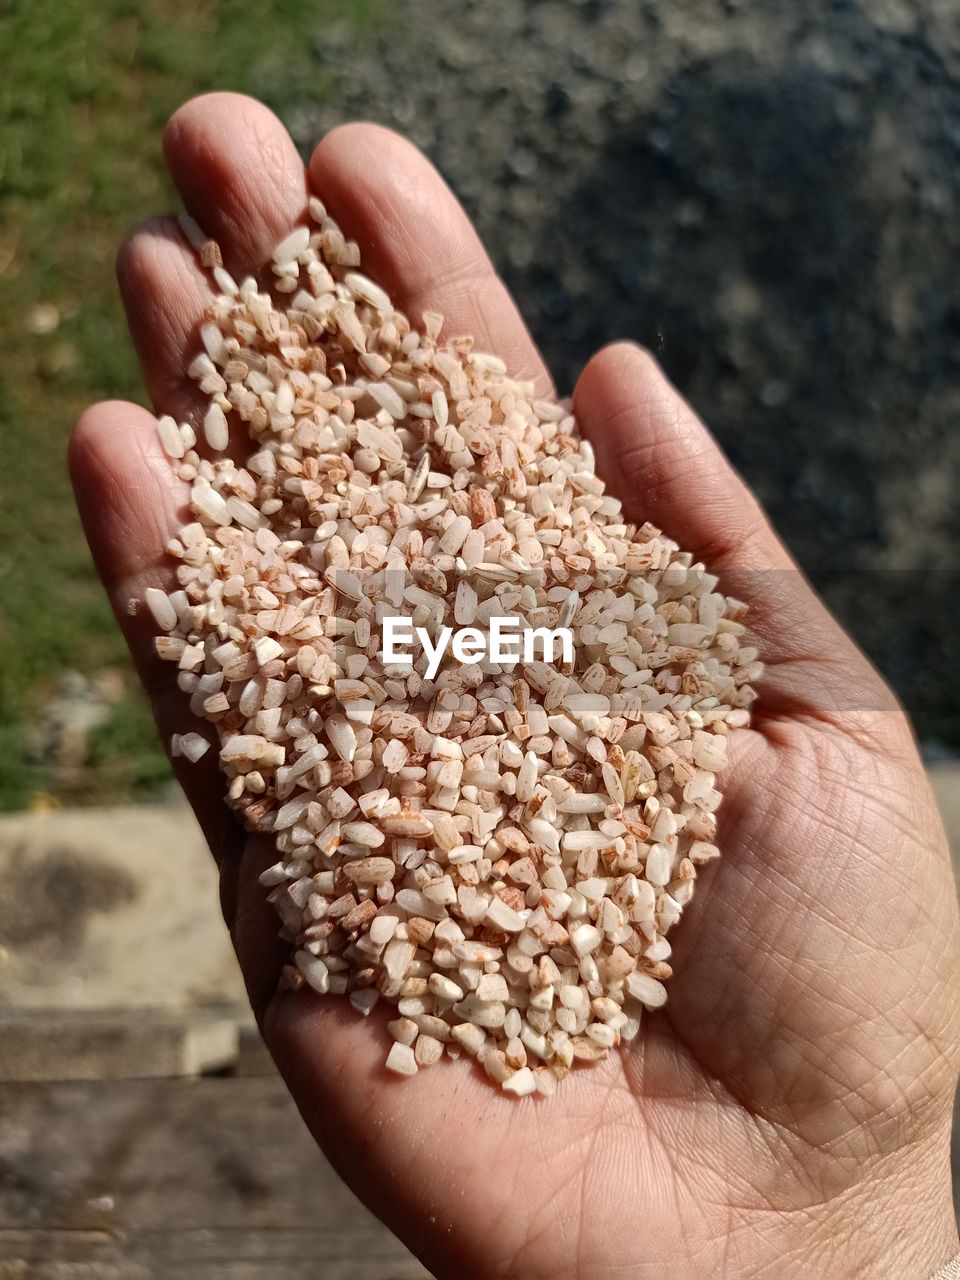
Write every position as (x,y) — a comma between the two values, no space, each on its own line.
(666,468)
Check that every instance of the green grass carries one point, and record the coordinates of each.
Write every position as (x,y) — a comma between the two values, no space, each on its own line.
(84,97)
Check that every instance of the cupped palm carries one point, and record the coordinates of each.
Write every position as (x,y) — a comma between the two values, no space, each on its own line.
(787,1113)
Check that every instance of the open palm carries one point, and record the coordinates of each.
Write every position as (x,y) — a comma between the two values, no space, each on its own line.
(788,1112)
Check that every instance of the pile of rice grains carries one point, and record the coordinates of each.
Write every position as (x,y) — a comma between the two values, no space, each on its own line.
(498,852)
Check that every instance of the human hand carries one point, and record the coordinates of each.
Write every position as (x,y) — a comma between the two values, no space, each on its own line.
(788,1112)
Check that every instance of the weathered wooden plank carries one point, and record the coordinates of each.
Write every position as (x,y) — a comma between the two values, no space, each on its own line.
(126,1044)
(226,1255)
(212,1179)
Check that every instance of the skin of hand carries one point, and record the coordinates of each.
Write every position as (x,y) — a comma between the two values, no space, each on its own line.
(788,1112)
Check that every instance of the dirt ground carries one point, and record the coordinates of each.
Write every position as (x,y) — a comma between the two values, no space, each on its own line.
(766,194)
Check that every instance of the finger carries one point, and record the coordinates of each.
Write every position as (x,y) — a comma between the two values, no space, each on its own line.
(238,173)
(131,503)
(418,243)
(240,177)
(664,465)
(164,291)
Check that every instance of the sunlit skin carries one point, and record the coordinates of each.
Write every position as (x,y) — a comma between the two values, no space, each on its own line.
(788,1112)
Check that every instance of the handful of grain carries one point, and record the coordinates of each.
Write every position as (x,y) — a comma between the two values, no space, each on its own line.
(500,851)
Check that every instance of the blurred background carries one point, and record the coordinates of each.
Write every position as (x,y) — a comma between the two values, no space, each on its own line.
(765,193)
